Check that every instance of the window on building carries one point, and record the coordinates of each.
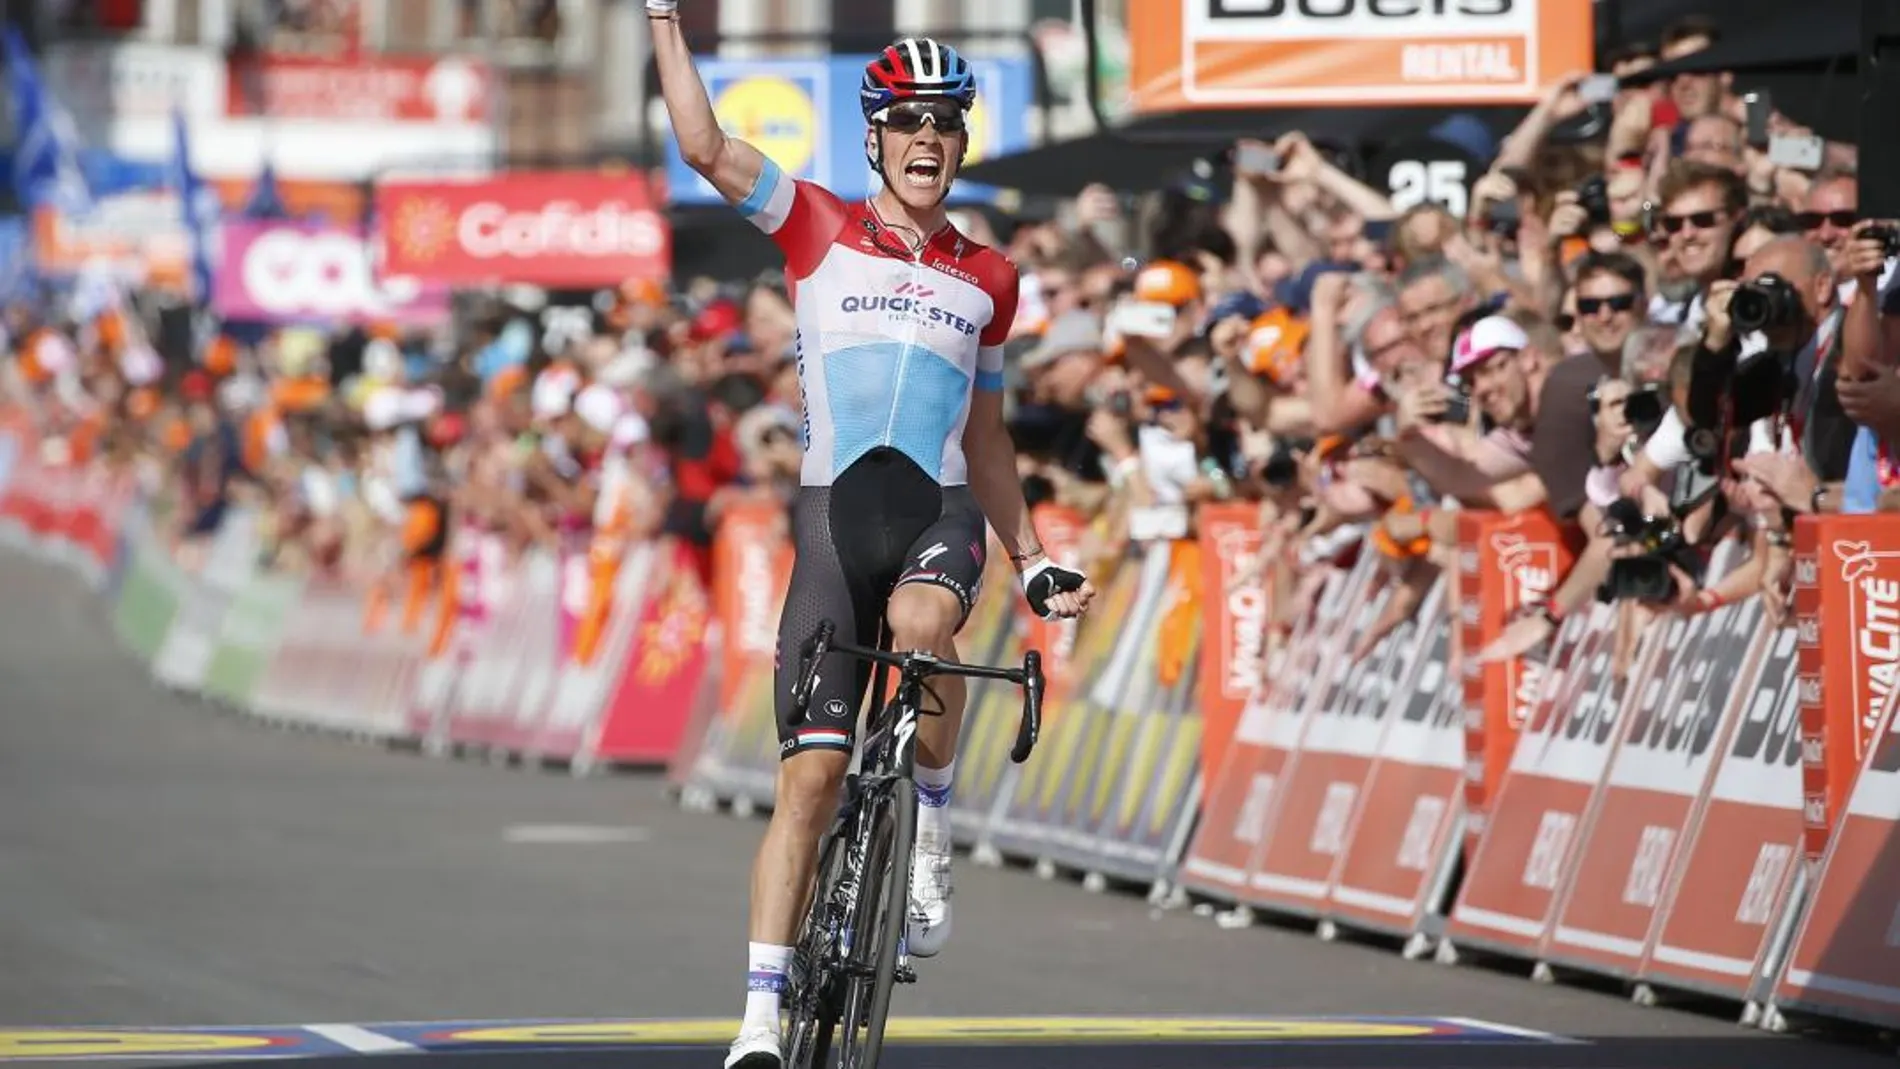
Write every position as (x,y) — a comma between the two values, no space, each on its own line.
(311,27)
(867,23)
(526,31)
(87,17)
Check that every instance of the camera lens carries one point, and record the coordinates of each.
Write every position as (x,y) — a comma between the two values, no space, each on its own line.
(1768,301)
(1749,308)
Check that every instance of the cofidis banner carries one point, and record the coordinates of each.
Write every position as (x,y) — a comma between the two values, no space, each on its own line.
(804,115)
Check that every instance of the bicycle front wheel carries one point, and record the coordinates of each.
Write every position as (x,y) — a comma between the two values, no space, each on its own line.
(813,999)
(878,923)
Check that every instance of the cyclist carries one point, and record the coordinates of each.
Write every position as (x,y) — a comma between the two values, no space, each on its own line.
(901,324)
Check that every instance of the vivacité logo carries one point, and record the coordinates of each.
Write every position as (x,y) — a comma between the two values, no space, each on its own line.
(1876,644)
(1244,644)
(1530,574)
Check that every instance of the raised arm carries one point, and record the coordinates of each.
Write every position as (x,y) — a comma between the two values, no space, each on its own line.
(731,165)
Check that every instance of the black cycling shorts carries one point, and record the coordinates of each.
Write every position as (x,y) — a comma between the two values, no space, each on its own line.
(881,524)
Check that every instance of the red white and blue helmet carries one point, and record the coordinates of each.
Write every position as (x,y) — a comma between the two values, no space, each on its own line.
(912,69)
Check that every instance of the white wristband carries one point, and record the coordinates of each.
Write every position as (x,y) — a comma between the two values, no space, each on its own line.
(663,7)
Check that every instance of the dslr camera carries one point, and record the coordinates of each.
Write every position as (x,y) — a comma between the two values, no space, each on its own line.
(1282,469)
(1593,195)
(1889,238)
(1767,302)
(1659,542)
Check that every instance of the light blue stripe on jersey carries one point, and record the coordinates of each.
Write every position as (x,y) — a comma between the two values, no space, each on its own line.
(883,394)
(769,178)
(989,380)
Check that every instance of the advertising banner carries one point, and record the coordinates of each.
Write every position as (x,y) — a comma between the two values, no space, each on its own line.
(1846,959)
(1276,53)
(290,272)
(1847,588)
(804,115)
(1235,644)
(365,88)
(562,229)
(1742,854)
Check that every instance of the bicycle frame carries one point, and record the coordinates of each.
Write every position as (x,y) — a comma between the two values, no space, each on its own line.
(827,956)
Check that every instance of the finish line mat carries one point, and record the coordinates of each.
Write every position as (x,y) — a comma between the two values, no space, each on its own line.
(287,1041)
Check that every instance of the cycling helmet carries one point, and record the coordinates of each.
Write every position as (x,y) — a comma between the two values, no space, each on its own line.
(913,68)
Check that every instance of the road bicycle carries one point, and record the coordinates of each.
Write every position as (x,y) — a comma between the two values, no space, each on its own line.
(850,955)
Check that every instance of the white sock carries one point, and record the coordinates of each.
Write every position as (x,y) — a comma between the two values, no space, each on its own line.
(933,799)
(764,984)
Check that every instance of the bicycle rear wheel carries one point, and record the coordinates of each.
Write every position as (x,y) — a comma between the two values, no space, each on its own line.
(814,998)
(877,923)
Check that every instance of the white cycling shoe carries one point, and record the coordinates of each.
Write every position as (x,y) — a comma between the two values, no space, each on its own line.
(928,927)
(756,1048)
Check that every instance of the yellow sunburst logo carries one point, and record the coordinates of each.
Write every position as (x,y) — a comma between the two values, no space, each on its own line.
(424,227)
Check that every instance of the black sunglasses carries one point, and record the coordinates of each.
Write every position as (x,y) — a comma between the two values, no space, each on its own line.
(1589,306)
(908,119)
(1699,220)
(1842,220)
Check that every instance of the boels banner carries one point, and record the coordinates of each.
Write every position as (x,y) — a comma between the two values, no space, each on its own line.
(804,115)
(579,229)
(1192,54)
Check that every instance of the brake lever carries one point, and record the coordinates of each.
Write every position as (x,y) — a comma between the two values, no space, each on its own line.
(1031,726)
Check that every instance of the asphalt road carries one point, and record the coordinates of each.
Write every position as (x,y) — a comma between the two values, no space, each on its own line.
(165,864)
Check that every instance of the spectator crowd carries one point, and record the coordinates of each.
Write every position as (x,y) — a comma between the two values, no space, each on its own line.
(1655,333)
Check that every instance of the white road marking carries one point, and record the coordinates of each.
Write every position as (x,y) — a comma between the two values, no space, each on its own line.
(575,834)
(359,1039)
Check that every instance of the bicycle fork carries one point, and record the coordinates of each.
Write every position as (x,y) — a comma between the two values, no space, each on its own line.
(842,914)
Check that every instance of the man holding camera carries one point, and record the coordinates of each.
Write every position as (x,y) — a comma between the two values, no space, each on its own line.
(1866,384)
(1702,204)
(1505,368)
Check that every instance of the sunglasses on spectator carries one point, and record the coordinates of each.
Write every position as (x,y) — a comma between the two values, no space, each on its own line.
(1700,220)
(1842,220)
(910,118)
(1589,306)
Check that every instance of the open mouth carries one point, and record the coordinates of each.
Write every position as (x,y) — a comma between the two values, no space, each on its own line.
(923,171)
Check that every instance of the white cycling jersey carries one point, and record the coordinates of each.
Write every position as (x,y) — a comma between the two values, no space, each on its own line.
(890,345)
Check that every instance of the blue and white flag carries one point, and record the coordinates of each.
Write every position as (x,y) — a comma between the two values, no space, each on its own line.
(200,204)
(46,167)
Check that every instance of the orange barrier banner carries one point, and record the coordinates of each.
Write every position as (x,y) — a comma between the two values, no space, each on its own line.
(659,676)
(1847,587)
(1284,53)
(1327,774)
(1243,802)
(1239,790)
(1738,869)
(1504,563)
(751,566)
(1237,623)
(1846,957)
(1650,799)
(1539,810)
(1407,838)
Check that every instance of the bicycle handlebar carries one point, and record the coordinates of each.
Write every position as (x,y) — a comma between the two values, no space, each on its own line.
(921,665)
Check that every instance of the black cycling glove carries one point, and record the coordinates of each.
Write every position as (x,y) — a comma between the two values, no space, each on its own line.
(1044,580)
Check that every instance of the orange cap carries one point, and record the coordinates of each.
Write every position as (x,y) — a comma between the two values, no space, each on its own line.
(1275,341)
(1168,281)
(220,357)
